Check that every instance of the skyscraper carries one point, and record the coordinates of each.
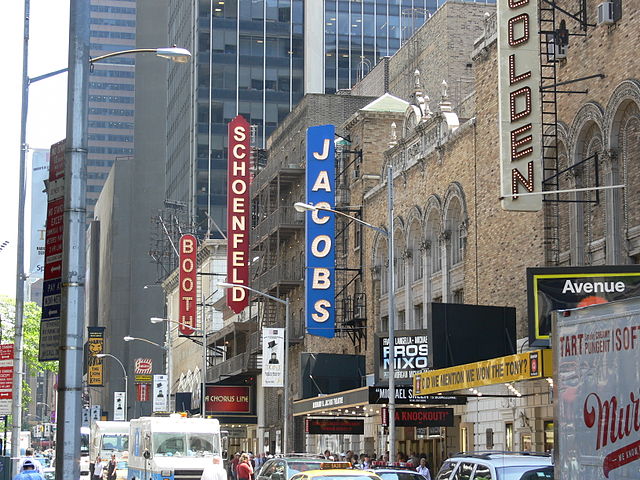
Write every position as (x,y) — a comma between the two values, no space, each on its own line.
(111,91)
(258,58)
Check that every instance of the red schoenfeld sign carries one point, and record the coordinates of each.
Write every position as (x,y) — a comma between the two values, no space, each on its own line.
(227,399)
(188,284)
(238,222)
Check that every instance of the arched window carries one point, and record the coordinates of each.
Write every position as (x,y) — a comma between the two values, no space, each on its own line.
(381,265)
(414,245)
(432,238)
(399,259)
(457,231)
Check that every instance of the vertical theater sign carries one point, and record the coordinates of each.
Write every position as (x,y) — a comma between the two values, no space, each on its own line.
(520,113)
(320,232)
(238,221)
(188,284)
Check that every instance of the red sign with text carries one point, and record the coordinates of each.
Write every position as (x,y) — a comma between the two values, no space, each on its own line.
(142,392)
(226,399)
(188,284)
(238,221)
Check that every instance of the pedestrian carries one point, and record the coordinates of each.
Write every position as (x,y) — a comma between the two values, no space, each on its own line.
(244,470)
(423,469)
(29,471)
(234,466)
(37,466)
(112,468)
(327,455)
(98,469)
(214,471)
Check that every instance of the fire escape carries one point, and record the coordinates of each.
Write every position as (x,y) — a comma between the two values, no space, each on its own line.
(554,39)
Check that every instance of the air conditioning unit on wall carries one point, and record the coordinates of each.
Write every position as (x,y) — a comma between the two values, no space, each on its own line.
(606,13)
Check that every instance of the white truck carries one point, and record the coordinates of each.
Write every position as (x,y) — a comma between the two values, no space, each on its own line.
(173,447)
(596,353)
(110,438)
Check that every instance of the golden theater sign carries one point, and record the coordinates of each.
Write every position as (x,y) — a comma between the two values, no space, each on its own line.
(520,115)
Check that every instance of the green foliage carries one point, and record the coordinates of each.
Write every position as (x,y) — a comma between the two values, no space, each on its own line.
(31,332)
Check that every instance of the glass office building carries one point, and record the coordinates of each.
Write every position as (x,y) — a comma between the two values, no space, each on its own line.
(258,58)
(111,91)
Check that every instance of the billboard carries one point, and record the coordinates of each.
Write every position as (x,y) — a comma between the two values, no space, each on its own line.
(188,285)
(52,285)
(419,417)
(6,378)
(486,331)
(224,399)
(562,288)
(118,406)
(143,366)
(411,355)
(334,426)
(273,357)
(39,174)
(95,365)
(519,102)
(238,209)
(320,232)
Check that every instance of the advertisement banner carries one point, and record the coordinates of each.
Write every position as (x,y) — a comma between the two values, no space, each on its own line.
(39,174)
(411,354)
(520,109)
(238,209)
(95,365)
(143,366)
(160,393)
(334,426)
(320,232)
(188,285)
(143,392)
(596,399)
(118,406)
(52,287)
(562,288)
(273,357)
(95,413)
(420,417)
(227,399)
(512,368)
(6,378)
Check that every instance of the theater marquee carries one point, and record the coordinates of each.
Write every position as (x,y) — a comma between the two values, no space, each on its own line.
(520,115)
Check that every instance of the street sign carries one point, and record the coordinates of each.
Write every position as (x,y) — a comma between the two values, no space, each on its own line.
(143,378)
(160,393)
(118,406)
(52,290)
(6,378)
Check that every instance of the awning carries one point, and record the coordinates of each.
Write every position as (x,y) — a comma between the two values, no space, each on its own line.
(362,401)
(532,365)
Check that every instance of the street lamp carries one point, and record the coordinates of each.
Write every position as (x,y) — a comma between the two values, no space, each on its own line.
(304,207)
(126,381)
(201,331)
(285,302)
(74,248)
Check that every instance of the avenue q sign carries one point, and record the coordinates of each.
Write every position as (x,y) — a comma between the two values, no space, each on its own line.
(520,115)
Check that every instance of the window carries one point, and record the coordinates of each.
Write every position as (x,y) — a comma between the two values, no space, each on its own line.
(418,315)
(548,436)
(508,436)
(445,470)
(458,296)
(483,472)
(464,471)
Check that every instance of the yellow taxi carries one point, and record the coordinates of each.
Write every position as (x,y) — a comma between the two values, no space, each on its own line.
(336,471)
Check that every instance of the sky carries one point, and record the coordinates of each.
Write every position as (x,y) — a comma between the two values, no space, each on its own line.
(48,51)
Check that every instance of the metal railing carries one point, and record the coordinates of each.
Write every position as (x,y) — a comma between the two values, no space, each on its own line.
(282,217)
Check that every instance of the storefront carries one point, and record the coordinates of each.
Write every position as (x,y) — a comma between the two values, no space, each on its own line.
(356,420)
(235,407)
(509,405)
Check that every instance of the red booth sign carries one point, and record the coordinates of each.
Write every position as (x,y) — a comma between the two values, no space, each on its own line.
(188,284)
(227,399)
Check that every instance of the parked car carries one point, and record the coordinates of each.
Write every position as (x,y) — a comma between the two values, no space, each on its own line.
(336,471)
(283,468)
(394,473)
(545,473)
(493,466)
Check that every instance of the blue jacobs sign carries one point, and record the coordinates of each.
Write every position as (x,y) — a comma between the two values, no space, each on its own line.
(320,232)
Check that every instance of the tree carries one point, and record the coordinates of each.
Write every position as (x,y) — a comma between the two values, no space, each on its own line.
(31,337)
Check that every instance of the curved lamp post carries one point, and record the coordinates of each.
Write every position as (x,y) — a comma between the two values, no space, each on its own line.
(305,207)
(285,302)
(126,382)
